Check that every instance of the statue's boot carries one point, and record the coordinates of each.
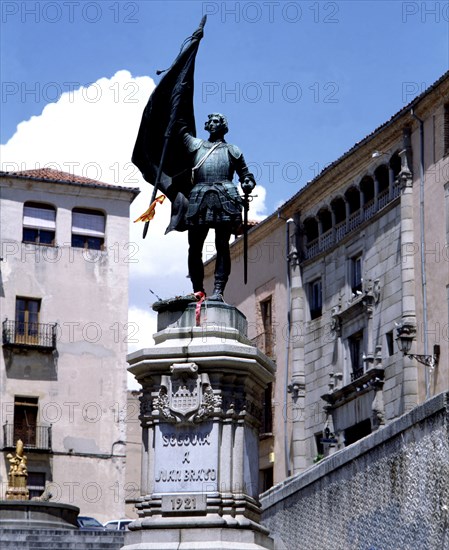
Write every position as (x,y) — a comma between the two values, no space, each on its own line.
(217,295)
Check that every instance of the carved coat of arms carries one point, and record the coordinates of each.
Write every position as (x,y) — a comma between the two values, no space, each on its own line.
(185,395)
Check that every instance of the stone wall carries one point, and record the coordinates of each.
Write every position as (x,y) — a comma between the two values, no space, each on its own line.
(387,491)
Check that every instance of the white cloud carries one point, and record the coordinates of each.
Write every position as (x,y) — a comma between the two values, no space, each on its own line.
(142,326)
(91,132)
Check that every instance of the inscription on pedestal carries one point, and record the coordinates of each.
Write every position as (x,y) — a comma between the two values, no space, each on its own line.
(186,458)
(183,503)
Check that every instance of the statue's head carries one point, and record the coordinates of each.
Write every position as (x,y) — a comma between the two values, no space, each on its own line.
(216,122)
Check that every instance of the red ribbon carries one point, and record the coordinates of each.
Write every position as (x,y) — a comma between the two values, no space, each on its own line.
(200,296)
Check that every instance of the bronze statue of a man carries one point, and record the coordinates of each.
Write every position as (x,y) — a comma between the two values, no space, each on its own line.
(214,201)
(167,152)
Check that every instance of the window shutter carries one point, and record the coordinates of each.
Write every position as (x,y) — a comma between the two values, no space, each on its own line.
(86,223)
(39,218)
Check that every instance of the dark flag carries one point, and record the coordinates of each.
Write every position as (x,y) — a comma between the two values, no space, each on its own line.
(158,152)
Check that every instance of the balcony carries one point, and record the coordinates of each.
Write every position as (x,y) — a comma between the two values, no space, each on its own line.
(29,335)
(316,244)
(327,239)
(369,209)
(357,373)
(34,437)
(383,199)
(355,220)
(340,230)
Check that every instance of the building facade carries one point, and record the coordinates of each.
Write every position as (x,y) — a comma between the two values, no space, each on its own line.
(64,300)
(347,275)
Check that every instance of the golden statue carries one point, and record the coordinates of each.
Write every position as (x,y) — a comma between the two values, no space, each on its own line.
(18,474)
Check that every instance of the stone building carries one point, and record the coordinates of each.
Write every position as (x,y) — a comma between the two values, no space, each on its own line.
(345,276)
(64,301)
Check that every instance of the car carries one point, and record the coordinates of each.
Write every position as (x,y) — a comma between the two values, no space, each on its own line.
(117,524)
(87,523)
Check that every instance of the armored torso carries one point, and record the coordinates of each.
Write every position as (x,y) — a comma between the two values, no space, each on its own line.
(217,168)
(214,199)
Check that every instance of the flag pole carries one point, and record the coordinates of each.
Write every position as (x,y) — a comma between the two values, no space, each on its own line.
(157,182)
(196,35)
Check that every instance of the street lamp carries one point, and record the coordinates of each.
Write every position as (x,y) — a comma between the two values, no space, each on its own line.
(405,336)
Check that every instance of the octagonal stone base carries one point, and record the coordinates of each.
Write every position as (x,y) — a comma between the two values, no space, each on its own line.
(203,385)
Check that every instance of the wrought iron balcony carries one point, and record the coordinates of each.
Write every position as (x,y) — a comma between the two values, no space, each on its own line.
(34,437)
(35,335)
(357,373)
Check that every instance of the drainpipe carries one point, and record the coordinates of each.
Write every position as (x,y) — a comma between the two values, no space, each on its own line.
(287,342)
(422,234)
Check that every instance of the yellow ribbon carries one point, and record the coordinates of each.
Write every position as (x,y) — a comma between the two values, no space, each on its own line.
(148,215)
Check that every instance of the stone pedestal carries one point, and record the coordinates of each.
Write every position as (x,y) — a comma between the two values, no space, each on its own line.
(201,407)
(17,487)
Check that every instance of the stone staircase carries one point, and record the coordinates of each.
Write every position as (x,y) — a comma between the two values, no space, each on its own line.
(60,539)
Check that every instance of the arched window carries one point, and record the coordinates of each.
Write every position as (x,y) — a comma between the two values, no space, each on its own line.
(353,198)
(311,230)
(325,217)
(382,177)
(339,208)
(395,165)
(39,223)
(88,228)
(367,189)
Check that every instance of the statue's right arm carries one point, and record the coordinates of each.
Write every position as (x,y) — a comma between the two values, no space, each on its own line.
(191,143)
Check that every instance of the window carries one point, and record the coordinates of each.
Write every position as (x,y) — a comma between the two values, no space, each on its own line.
(27,320)
(267,322)
(267,411)
(25,420)
(266,479)
(36,484)
(39,223)
(390,343)
(356,432)
(315,299)
(88,228)
(356,275)
(355,345)
(319,445)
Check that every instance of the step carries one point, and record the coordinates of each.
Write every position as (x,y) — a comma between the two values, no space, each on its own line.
(59,539)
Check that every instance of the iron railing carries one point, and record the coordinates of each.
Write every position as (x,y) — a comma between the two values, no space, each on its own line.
(357,373)
(19,333)
(34,436)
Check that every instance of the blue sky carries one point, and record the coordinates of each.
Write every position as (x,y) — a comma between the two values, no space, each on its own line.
(300,82)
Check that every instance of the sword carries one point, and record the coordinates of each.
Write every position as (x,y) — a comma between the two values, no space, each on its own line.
(247,198)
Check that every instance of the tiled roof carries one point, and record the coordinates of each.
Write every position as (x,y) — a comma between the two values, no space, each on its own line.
(49,174)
